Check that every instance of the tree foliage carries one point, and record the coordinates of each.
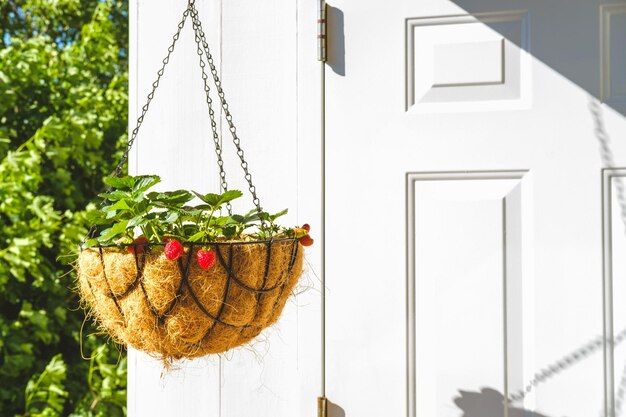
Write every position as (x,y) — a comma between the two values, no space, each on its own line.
(63,113)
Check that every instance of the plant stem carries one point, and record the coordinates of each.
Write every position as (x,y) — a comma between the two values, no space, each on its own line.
(208,223)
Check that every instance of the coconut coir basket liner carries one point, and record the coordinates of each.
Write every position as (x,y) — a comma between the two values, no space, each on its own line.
(177,310)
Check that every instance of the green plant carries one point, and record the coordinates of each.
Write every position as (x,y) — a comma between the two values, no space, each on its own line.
(46,393)
(131,206)
(63,104)
(106,380)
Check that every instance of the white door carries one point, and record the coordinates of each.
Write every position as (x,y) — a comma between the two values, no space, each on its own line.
(475,245)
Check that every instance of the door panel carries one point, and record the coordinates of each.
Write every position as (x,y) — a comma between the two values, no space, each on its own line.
(495,64)
(465,149)
(467,237)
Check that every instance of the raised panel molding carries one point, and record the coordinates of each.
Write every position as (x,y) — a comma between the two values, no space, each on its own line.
(614,273)
(491,48)
(612,57)
(482,63)
(468,233)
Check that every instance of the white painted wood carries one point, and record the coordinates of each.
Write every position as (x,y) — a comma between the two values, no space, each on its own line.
(477,220)
(508,273)
(458,63)
(614,241)
(258,51)
(482,62)
(259,67)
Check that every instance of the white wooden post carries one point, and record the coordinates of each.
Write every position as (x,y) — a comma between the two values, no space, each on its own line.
(262,59)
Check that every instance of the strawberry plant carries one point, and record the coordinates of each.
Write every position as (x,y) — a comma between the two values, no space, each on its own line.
(133,209)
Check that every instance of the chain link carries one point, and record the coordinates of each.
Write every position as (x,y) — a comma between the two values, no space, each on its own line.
(216,137)
(227,116)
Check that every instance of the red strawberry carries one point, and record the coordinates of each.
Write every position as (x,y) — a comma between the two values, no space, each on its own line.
(173,250)
(306,227)
(306,240)
(206,258)
(138,245)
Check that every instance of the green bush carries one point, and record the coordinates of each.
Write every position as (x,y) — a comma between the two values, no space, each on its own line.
(63,115)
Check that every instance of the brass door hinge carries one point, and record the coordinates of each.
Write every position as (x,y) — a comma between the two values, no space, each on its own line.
(322,410)
(321,30)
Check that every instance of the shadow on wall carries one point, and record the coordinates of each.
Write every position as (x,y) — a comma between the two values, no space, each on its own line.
(486,403)
(608,159)
(566,36)
(334,410)
(336,52)
(489,403)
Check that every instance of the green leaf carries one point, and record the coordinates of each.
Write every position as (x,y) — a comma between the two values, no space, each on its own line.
(198,237)
(252,216)
(119,205)
(90,242)
(45,393)
(96,217)
(142,206)
(237,218)
(229,231)
(139,198)
(191,212)
(169,217)
(144,182)
(204,207)
(216,200)
(118,229)
(111,214)
(116,195)
(170,198)
(136,221)
(120,183)
(210,199)
(229,196)
(277,215)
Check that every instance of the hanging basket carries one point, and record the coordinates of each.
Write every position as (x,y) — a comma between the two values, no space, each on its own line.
(178,310)
(175,308)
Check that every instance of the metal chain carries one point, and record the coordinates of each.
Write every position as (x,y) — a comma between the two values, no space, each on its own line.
(229,118)
(120,166)
(216,137)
